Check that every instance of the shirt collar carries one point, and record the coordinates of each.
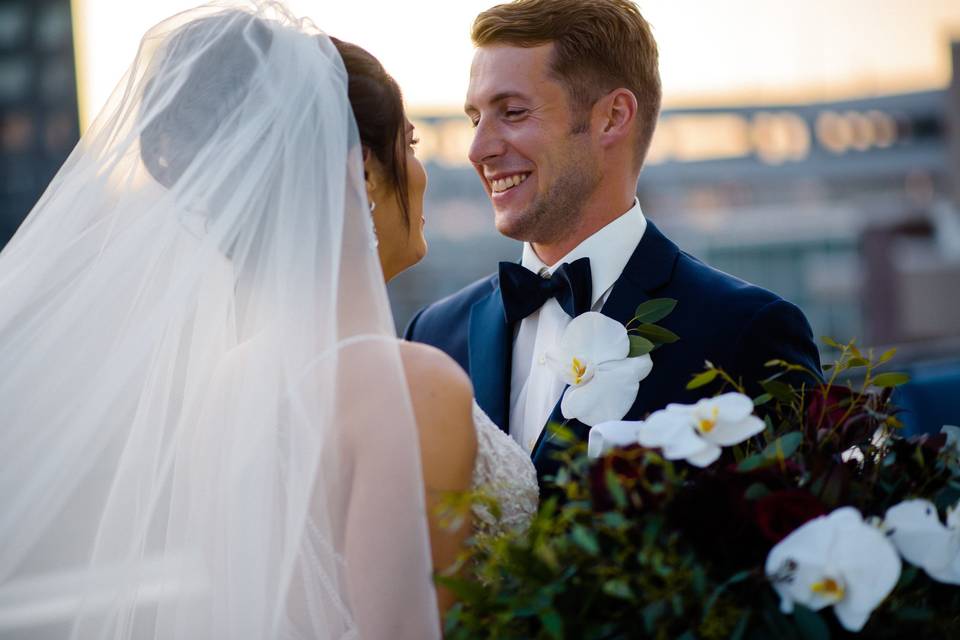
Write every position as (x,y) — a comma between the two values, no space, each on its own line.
(609,250)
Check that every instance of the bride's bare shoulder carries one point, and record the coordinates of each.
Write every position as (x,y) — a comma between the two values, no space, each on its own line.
(441,391)
(425,364)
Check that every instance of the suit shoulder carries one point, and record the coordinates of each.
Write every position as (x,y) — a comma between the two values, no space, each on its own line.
(715,285)
(457,304)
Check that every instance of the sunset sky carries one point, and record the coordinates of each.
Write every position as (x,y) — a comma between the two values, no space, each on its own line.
(711,53)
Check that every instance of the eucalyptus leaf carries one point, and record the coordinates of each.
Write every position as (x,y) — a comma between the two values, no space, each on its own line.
(857,362)
(552,623)
(762,399)
(618,588)
(887,355)
(654,310)
(756,491)
(786,445)
(561,432)
(741,628)
(585,539)
(702,379)
(656,334)
(652,613)
(754,462)
(891,379)
(640,346)
(830,342)
(615,489)
(782,392)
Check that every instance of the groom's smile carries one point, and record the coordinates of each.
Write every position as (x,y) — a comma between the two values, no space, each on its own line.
(532,165)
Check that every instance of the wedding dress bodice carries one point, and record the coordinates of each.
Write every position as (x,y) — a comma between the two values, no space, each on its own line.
(503,471)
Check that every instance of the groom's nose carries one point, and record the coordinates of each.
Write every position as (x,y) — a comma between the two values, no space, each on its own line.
(487,143)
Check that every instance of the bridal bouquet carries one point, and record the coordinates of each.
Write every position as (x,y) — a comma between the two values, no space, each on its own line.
(801,513)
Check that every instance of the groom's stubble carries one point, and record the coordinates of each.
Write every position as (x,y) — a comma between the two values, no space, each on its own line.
(555,212)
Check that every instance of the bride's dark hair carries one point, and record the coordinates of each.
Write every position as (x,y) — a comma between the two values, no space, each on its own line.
(378,109)
(174,132)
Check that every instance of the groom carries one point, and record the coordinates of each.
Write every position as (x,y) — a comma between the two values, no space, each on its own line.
(564,97)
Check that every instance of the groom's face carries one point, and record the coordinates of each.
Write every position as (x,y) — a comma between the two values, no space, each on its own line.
(537,169)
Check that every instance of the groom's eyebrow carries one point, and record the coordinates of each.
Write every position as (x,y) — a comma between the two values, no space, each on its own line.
(499,97)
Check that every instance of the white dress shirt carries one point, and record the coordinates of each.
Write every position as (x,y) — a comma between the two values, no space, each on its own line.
(534,389)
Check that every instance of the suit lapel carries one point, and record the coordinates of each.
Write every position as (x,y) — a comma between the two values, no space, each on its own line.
(649,268)
(490,343)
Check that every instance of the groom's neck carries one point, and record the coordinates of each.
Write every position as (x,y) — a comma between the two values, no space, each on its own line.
(594,215)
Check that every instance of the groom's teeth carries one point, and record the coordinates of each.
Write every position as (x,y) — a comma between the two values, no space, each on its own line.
(502,184)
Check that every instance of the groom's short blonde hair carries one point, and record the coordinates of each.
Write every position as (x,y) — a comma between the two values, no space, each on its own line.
(599,46)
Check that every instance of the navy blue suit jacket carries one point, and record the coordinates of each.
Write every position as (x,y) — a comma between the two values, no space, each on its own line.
(735,325)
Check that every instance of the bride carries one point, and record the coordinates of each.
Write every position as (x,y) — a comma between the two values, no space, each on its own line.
(209,427)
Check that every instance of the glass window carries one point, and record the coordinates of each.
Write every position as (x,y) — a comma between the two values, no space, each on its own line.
(16,133)
(13,24)
(60,133)
(56,81)
(15,78)
(53,26)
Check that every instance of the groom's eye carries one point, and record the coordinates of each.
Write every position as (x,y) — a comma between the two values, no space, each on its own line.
(514,113)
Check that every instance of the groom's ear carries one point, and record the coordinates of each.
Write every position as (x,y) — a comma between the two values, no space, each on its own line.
(616,114)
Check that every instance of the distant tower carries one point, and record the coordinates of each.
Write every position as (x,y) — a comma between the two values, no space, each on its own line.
(39,123)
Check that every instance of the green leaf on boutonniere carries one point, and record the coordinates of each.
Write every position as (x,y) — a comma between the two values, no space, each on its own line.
(655,334)
(640,346)
(702,378)
(654,310)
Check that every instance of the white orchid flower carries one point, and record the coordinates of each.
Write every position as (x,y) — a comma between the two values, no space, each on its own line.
(592,357)
(915,529)
(696,433)
(837,560)
(610,435)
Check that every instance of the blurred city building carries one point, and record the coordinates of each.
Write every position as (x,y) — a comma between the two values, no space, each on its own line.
(39,123)
(850,209)
(789,197)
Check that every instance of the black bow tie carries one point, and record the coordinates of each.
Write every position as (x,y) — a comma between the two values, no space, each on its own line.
(524,292)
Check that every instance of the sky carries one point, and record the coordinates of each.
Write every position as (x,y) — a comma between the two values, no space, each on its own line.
(711,53)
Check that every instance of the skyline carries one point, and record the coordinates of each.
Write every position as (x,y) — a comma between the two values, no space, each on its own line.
(826,51)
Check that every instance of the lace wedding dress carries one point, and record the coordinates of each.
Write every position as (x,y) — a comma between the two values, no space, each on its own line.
(504,472)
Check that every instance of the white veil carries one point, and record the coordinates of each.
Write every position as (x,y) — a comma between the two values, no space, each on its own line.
(205,425)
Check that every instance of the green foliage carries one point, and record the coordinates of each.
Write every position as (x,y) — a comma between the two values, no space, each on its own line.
(636,546)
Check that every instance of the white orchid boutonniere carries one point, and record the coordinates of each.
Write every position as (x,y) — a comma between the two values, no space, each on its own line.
(836,560)
(593,358)
(604,364)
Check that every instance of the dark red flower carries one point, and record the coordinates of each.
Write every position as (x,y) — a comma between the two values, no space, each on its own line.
(835,414)
(716,516)
(638,474)
(781,512)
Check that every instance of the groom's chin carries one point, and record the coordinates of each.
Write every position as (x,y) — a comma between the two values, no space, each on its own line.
(511,224)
